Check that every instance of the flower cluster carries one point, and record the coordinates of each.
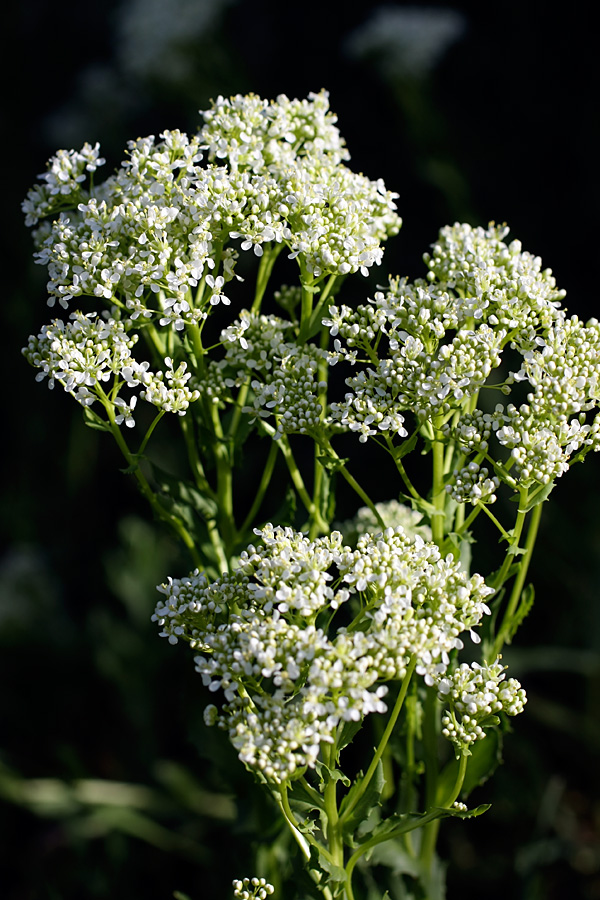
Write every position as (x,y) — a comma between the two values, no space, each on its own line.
(475,695)
(283,375)
(148,237)
(289,678)
(429,348)
(473,485)
(89,351)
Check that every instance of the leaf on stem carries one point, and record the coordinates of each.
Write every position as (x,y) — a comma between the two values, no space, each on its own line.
(406,446)
(349,729)
(370,799)
(536,498)
(93,420)
(330,462)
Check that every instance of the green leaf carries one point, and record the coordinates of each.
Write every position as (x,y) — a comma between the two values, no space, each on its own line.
(406,447)
(331,774)
(303,798)
(93,420)
(464,813)
(402,823)
(330,462)
(370,798)
(336,875)
(184,498)
(536,498)
(311,288)
(349,729)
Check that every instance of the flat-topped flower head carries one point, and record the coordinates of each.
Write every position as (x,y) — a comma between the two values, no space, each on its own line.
(269,639)
(152,236)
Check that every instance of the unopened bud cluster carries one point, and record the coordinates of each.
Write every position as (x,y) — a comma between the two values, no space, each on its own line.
(252,889)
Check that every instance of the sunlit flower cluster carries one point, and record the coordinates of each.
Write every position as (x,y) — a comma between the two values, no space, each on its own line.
(265,640)
(428,348)
(90,356)
(149,236)
(282,374)
(475,695)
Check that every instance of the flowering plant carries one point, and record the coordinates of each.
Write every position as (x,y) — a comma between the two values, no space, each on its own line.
(311,631)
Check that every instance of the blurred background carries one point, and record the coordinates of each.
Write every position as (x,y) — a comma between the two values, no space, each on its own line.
(109,783)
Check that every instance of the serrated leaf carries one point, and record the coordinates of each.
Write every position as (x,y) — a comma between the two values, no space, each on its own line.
(300,796)
(402,823)
(184,496)
(336,875)
(331,463)
(538,497)
(406,447)
(349,729)
(332,774)
(370,798)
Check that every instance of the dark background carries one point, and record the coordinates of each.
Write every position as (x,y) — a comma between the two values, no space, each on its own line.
(505,127)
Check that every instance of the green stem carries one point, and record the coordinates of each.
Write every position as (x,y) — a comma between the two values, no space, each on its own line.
(224,493)
(315,318)
(402,471)
(148,434)
(161,513)
(282,799)
(384,738)
(262,488)
(430,742)
(438,498)
(334,831)
(297,480)
(504,632)
(484,508)
(431,830)
(326,445)
(265,268)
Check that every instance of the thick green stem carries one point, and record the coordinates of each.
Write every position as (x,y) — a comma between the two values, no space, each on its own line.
(334,831)
(438,497)
(267,261)
(224,493)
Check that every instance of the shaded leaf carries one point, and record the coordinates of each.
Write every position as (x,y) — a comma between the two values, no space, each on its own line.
(370,798)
